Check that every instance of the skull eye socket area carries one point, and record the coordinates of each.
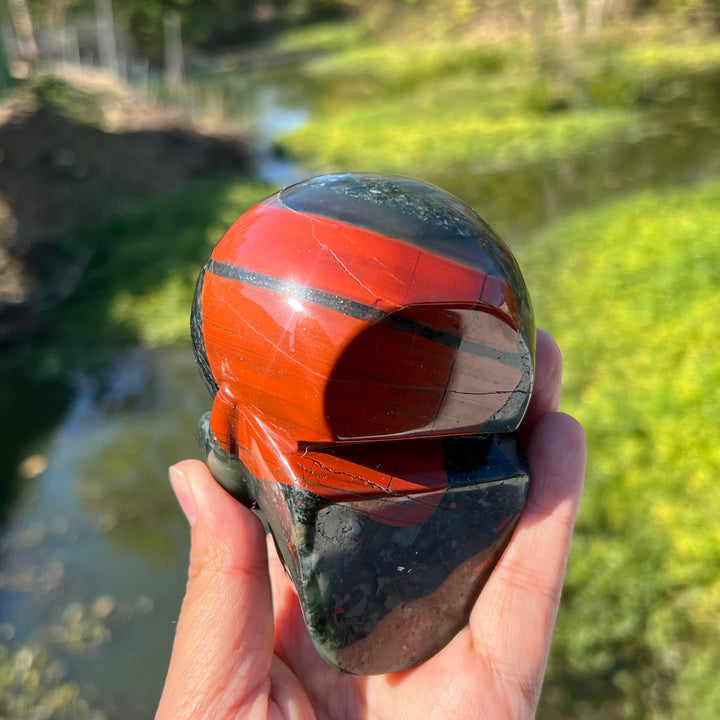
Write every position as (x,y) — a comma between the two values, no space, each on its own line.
(428,370)
(422,371)
(406,399)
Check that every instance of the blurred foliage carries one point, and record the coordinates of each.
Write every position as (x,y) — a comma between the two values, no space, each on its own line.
(630,293)
(82,105)
(206,23)
(490,103)
(213,24)
(33,685)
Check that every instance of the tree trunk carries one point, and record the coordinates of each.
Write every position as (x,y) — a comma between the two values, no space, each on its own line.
(106,36)
(22,22)
(4,73)
(568,16)
(174,64)
(594,16)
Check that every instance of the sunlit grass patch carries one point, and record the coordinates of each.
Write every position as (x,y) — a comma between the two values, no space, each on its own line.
(422,141)
(671,56)
(422,108)
(631,291)
(403,66)
(320,37)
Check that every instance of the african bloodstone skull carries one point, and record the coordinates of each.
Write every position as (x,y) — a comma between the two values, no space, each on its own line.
(369,344)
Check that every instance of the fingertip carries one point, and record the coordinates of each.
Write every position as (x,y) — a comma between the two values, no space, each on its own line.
(548,371)
(574,429)
(557,453)
(194,470)
(560,428)
(183,494)
(547,349)
(219,522)
(186,478)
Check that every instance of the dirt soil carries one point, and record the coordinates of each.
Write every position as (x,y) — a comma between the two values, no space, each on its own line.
(59,171)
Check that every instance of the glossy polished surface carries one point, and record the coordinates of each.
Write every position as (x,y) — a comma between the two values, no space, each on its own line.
(363,337)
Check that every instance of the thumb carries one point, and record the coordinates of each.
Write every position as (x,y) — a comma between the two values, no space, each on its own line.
(222,655)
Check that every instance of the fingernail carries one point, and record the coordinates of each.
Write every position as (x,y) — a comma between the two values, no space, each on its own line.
(181,488)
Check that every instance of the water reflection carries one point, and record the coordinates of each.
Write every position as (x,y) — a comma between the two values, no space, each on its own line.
(96,551)
(275,115)
(682,150)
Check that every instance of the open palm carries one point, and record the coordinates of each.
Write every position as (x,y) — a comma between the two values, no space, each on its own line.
(242,649)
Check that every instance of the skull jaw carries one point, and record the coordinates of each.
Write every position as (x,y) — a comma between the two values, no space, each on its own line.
(386,581)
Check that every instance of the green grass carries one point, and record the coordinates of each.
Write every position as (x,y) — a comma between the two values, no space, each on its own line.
(415,140)
(414,108)
(631,293)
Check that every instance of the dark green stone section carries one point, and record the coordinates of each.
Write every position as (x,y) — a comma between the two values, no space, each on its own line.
(404,209)
(380,597)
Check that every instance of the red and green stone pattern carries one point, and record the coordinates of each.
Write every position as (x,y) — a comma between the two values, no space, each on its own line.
(368,342)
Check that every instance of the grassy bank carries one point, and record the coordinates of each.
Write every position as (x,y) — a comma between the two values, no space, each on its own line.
(417,108)
(630,293)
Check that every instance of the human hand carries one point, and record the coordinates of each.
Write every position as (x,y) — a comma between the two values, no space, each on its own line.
(242,649)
